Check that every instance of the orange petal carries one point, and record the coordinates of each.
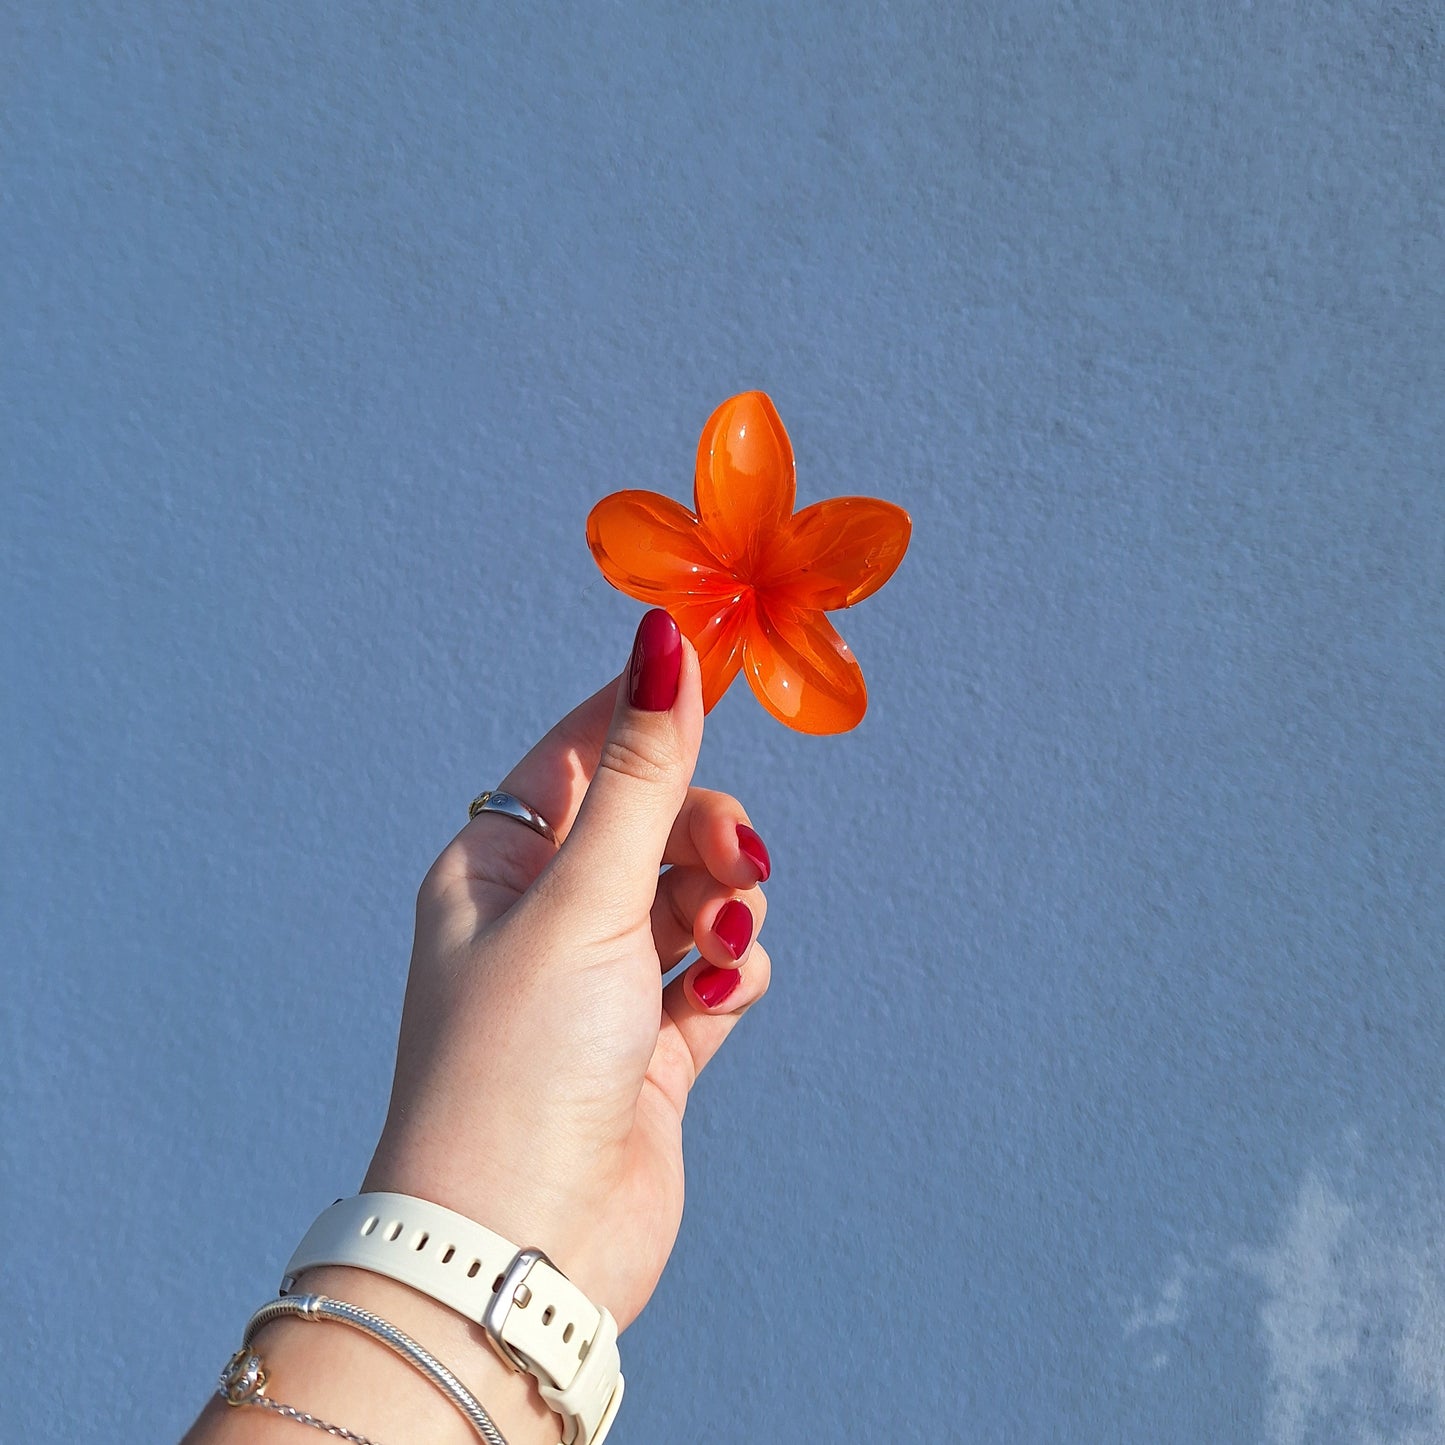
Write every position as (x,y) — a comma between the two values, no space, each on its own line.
(744,488)
(651,547)
(803,672)
(715,628)
(837,552)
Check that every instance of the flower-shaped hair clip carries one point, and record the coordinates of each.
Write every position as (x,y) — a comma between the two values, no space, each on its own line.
(748,579)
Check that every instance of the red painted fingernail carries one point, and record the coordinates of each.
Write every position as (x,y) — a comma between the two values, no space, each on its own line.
(755,851)
(656,663)
(734,927)
(714,985)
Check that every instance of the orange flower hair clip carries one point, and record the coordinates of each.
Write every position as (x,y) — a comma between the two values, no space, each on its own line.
(749,580)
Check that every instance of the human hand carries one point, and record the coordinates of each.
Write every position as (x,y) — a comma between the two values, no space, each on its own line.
(543,1071)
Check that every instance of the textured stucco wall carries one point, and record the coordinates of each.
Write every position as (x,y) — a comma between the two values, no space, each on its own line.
(1099,1092)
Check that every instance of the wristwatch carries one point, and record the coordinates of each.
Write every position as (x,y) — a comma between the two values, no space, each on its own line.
(535,1318)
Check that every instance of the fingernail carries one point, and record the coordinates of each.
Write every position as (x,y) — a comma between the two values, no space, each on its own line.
(734,927)
(755,851)
(656,663)
(714,985)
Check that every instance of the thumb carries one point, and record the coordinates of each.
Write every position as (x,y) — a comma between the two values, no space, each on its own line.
(614,849)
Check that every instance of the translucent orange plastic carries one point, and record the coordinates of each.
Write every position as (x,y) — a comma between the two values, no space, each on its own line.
(746,577)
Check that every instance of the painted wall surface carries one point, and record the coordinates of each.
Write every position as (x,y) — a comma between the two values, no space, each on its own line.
(1099,1092)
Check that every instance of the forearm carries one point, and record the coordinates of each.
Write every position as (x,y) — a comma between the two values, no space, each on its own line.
(345,1378)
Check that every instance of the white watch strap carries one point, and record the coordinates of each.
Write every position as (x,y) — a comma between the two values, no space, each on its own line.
(542,1320)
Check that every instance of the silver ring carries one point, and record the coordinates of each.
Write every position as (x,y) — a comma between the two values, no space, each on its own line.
(508,806)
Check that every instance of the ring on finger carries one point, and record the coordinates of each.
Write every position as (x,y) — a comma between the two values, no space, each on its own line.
(510,806)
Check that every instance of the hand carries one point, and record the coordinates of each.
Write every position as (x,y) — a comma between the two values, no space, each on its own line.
(543,1071)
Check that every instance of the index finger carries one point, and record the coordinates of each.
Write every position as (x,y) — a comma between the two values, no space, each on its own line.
(552,778)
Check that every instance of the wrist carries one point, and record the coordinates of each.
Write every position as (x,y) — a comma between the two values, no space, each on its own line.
(346,1379)
(523,1215)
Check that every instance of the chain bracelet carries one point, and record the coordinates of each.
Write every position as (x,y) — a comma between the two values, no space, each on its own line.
(243,1382)
(301,1417)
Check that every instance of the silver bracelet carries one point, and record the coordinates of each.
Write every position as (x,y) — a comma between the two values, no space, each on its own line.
(245,1378)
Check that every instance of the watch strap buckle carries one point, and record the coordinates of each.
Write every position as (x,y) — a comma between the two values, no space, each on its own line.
(504,1298)
(589,1401)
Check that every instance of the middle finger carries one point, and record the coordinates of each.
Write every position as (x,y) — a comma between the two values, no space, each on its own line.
(712,831)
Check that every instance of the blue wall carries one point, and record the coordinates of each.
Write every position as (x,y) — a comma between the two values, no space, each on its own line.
(1098,1093)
